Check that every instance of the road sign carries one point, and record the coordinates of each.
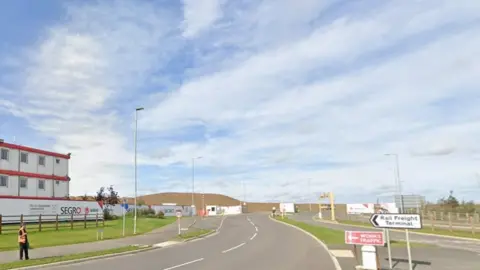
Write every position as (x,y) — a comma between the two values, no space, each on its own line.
(179,214)
(364,238)
(396,221)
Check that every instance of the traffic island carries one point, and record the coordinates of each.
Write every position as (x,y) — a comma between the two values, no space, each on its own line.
(74,258)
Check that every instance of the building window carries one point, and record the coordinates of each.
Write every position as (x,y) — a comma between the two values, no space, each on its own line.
(57,160)
(24,158)
(41,160)
(41,184)
(57,182)
(4,154)
(23,182)
(3,181)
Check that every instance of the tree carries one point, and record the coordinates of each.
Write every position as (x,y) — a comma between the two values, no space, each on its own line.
(85,197)
(140,202)
(450,202)
(112,197)
(100,197)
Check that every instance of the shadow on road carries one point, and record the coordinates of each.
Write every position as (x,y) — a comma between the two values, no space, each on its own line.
(415,263)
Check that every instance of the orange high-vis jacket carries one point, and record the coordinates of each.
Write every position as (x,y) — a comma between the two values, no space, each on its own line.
(22,236)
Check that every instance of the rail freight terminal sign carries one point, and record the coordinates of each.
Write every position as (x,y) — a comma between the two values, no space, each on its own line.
(364,238)
(396,221)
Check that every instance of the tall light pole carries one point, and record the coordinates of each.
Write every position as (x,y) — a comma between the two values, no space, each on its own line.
(309,202)
(135,200)
(398,185)
(193,179)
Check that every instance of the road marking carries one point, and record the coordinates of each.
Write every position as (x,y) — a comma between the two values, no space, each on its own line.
(256,228)
(230,249)
(183,264)
(251,238)
(221,223)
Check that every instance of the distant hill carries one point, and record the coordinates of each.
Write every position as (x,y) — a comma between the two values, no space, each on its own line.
(180,198)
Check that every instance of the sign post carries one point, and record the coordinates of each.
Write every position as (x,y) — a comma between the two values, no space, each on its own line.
(398,221)
(179,215)
(124,211)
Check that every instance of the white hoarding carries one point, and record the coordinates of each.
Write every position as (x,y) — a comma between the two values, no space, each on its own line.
(361,208)
(388,208)
(31,209)
(289,207)
(231,210)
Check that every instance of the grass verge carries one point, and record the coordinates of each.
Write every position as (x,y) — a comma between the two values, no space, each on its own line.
(48,260)
(445,232)
(335,237)
(65,236)
(193,234)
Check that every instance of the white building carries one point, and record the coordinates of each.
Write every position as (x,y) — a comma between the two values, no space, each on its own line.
(32,173)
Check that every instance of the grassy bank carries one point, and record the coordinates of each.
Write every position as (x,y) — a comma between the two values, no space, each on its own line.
(65,236)
(442,231)
(36,262)
(331,236)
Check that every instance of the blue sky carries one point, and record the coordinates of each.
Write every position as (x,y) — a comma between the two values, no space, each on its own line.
(269,93)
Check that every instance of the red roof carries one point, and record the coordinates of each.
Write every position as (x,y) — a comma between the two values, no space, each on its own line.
(33,150)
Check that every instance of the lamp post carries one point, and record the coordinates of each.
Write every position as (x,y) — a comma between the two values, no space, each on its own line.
(193,180)
(135,200)
(398,185)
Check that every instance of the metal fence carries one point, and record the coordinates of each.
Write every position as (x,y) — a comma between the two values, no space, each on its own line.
(40,223)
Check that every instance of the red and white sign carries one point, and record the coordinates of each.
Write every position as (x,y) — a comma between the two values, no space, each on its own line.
(179,214)
(364,238)
(361,208)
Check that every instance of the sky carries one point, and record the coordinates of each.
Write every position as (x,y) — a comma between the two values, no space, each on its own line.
(282,100)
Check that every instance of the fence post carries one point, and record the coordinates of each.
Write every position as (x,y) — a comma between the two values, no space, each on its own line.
(71,222)
(0,224)
(473,225)
(467,220)
(103,221)
(56,222)
(85,221)
(21,218)
(40,222)
(450,221)
(441,215)
(458,216)
(96,220)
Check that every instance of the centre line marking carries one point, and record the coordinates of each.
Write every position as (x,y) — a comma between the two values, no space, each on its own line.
(256,228)
(230,249)
(251,238)
(183,264)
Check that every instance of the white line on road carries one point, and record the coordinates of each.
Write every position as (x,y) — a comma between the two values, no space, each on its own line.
(251,238)
(183,264)
(221,223)
(230,249)
(256,228)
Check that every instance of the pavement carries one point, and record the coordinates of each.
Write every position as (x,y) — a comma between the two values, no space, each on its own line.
(441,254)
(251,242)
(162,234)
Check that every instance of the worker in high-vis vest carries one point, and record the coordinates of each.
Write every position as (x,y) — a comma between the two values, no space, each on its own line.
(23,241)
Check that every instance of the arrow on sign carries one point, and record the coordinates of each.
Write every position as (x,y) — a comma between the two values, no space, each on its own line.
(373,220)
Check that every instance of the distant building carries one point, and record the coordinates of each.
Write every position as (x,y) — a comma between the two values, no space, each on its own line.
(27,172)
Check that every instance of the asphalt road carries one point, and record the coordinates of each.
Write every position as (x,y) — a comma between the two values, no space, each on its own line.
(243,242)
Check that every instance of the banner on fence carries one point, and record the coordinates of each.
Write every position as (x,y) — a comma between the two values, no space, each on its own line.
(31,209)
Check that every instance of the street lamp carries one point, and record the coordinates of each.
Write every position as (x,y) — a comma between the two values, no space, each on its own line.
(135,200)
(398,185)
(193,179)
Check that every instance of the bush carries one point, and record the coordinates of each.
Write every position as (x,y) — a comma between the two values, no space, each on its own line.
(147,212)
(107,215)
(161,215)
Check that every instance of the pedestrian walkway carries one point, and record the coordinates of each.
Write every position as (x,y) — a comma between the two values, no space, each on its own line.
(156,236)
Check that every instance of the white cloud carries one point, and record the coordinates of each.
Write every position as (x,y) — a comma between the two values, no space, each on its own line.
(269,95)
(200,15)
